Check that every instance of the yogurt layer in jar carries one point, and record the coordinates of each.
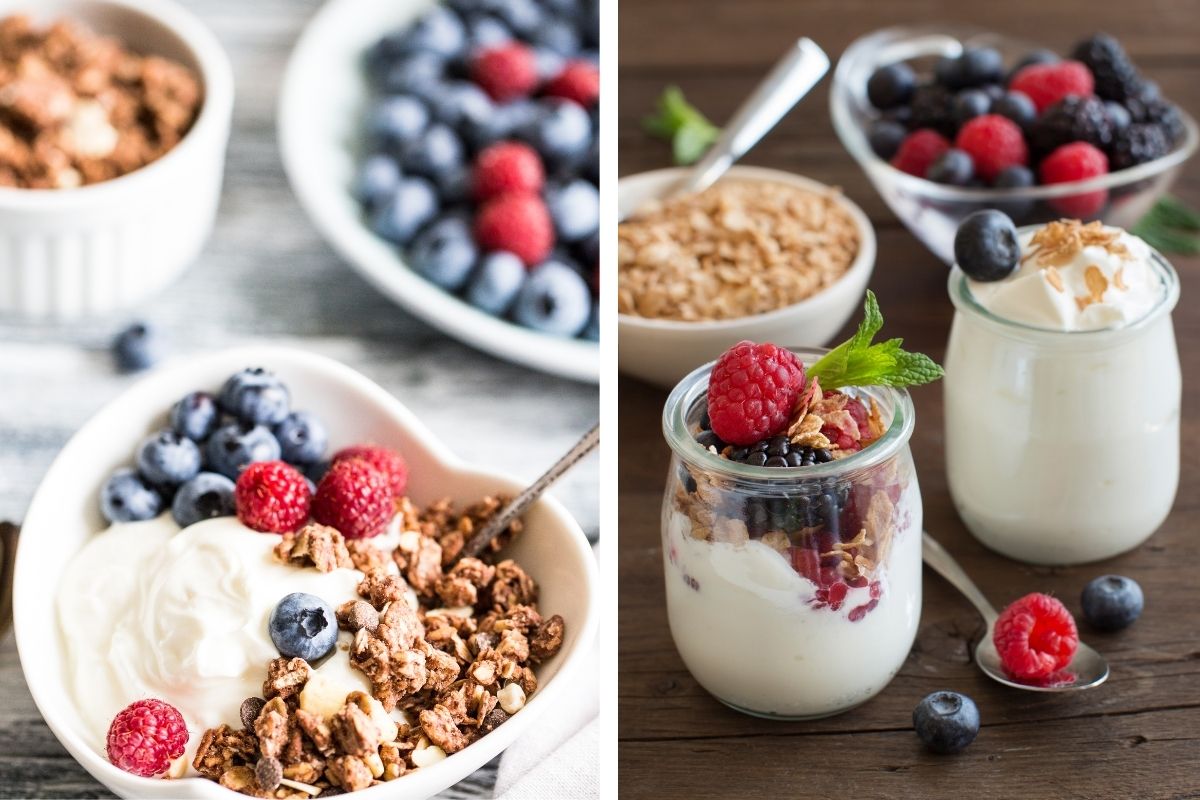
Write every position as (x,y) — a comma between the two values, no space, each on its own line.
(1062,396)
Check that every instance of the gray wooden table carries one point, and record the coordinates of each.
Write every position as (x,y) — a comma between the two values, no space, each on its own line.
(265,275)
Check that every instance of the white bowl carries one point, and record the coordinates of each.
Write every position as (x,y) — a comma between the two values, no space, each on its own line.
(69,253)
(662,351)
(321,109)
(65,512)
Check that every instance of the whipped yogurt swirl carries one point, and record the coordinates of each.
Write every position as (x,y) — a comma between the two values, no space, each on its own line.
(1075,277)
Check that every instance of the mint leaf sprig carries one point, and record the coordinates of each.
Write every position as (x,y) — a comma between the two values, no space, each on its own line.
(678,121)
(1170,227)
(857,362)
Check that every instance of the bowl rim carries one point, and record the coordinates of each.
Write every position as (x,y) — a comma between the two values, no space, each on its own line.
(28,591)
(854,138)
(216,108)
(864,260)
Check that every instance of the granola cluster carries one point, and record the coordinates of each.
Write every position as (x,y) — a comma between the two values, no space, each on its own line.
(1059,243)
(77,108)
(733,250)
(457,663)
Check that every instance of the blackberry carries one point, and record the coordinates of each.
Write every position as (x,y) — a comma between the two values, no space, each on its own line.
(933,107)
(1116,77)
(777,451)
(1153,110)
(1072,119)
(1137,144)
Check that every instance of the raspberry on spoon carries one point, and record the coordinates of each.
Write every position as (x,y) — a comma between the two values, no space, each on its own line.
(1035,637)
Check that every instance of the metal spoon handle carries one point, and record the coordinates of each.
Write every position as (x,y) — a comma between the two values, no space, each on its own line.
(793,76)
(521,502)
(944,564)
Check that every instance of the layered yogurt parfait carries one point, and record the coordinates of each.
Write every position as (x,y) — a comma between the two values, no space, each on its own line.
(1061,359)
(792,523)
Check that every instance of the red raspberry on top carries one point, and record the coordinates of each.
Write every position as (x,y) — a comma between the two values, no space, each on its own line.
(1036,637)
(389,462)
(993,142)
(507,167)
(355,498)
(919,150)
(752,390)
(272,497)
(145,737)
(1076,161)
(1046,84)
(578,81)
(517,222)
(505,72)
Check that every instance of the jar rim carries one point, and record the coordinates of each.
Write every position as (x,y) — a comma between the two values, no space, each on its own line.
(694,387)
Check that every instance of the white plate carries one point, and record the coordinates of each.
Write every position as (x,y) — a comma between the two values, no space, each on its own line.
(320,114)
(65,512)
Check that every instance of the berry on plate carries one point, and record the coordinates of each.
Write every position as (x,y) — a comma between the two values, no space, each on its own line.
(206,496)
(752,390)
(1077,161)
(303,626)
(517,222)
(1036,637)
(145,737)
(272,497)
(579,81)
(994,143)
(126,497)
(507,167)
(1112,602)
(919,150)
(506,71)
(1046,84)
(986,246)
(356,498)
(389,463)
(947,722)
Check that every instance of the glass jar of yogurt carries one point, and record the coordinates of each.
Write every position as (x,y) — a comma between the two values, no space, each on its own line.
(1062,397)
(792,592)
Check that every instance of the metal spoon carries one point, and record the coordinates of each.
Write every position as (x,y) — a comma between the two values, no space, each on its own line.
(1090,668)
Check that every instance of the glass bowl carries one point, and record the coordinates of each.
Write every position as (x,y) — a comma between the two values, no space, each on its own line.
(932,211)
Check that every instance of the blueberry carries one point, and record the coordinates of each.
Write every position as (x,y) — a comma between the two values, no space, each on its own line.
(946,721)
(138,347)
(496,282)
(885,137)
(376,181)
(397,121)
(980,65)
(1118,115)
(1112,602)
(1040,56)
(414,203)
(555,300)
(461,103)
(439,31)
(523,16)
(986,246)
(588,250)
(1018,107)
(592,331)
(255,395)
(575,209)
(591,164)
(994,91)
(561,132)
(126,497)
(168,459)
(454,185)
(314,472)
(412,74)
(205,496)
(557,35)
(302,438)
(548,62)
(444,253)
(435,151)
(238,444)
(891,85)
(195,416)
(508,120)
(970,103)
(591,23)
(484,30)
(1014,177)
(954,167)
(303,626)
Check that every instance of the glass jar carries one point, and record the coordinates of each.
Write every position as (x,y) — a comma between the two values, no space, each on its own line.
(792,592)
(1062,447)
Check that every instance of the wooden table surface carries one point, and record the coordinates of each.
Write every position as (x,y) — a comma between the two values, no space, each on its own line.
(266,276)
(1138,735)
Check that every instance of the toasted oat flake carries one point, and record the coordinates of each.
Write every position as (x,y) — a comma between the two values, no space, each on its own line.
(1054,278)
(1118,280)
(1057,243)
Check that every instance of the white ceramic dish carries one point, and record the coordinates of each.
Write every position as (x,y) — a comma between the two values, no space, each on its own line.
(69,253)
(662,351)
(320,113)
(65,511)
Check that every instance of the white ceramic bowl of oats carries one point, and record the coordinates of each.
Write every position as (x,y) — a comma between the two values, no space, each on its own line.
(662,351)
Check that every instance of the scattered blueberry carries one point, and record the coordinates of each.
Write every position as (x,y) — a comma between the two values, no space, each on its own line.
(195,416)
(127,498)
(303,626)
(885,137)
(986,246)
(891,85)
(555,300)
(947,722)
(205,496)
(1112,602)
(302,438)
(414,203)
(255,395)
(1018,107)
(138,347)
(436,150)
(575,209)
(444,253)
(168,459)
(954,167)
(496,282)
(232,447)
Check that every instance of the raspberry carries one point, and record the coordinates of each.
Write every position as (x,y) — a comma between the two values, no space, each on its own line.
(355,498)
(1076,162)
(752,390)
(994,143)
(1046,84)
(1035,636)
(919,150)
(388,462)
(505,72)
(272,497)
(578,81)
(517,222)
(507,167)
(145,737)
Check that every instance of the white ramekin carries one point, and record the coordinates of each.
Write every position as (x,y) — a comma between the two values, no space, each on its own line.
(70,253)
(663,351)
(65,512)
